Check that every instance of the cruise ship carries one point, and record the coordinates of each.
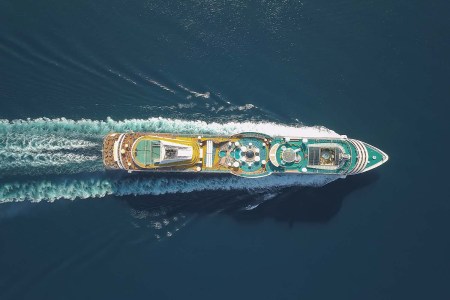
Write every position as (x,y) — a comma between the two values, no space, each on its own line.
(247,154)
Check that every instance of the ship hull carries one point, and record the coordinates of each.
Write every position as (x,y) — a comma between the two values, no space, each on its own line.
(250,155)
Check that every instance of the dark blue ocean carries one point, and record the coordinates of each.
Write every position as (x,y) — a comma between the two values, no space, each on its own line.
(72,71)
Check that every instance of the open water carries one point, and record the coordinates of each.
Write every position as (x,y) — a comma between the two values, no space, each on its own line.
(72,71)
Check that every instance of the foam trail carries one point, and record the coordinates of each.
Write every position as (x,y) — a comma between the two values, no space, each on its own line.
(51,190)
(15,142)
(196,94)
(32,153)
(122,76)
(48,163)
(70,144)
(161,86)
(43,159)
(86,127)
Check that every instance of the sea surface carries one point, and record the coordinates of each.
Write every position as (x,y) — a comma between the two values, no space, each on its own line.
(72,71)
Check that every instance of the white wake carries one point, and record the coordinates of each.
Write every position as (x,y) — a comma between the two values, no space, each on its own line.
(86,127)
(63,146)
(28,142)
(97,187)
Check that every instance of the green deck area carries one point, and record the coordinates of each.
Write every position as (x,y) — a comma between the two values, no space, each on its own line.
(254,166)
(147,152)
(298,155)
(301,149)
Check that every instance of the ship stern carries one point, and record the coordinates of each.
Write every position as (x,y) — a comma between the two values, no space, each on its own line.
(110,151)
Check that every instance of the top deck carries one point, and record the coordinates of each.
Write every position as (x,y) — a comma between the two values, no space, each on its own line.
(247,154)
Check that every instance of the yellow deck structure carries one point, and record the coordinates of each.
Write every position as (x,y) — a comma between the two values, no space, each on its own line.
(209,154)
